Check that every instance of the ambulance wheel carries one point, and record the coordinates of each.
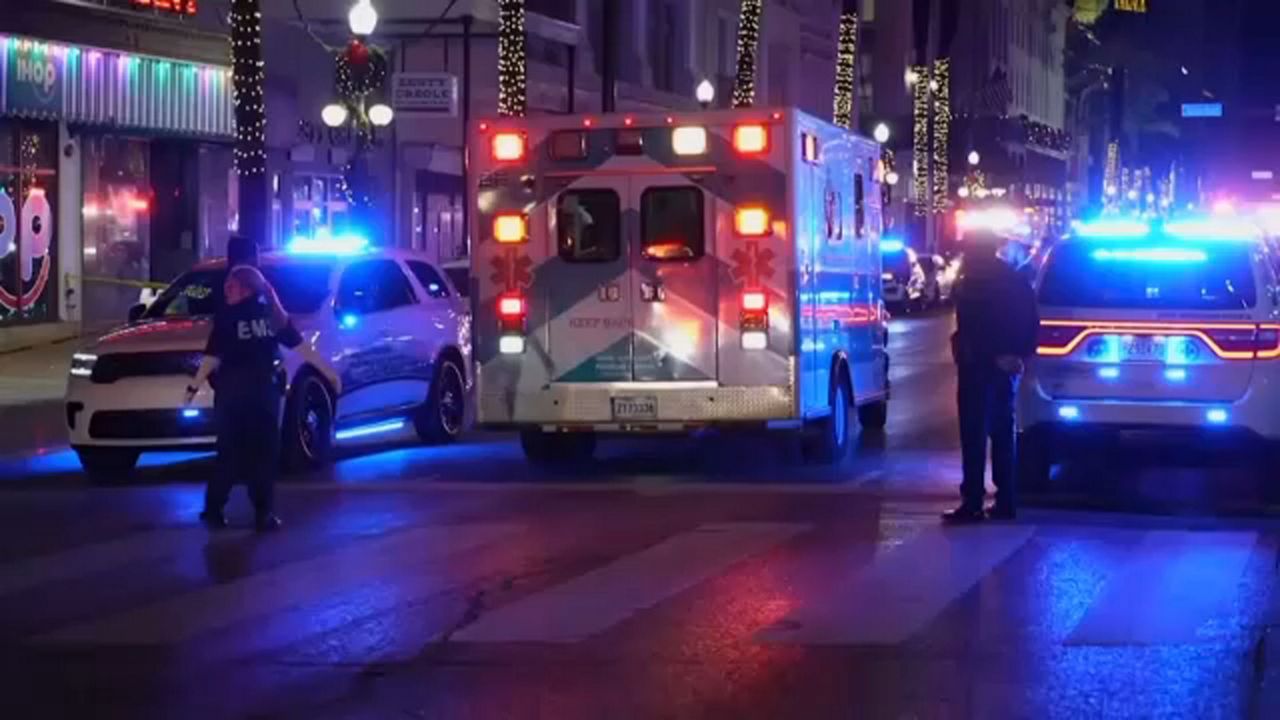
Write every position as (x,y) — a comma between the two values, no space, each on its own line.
(308,424)
(874,416)
(826,441)
(441,418)
(1035,461)
(546,448)
(105,465)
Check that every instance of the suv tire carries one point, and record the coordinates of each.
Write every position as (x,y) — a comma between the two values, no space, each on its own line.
(307,435)
(442,417)
(108,465)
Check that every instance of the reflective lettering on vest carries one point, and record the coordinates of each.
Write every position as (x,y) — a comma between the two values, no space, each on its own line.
(249,329)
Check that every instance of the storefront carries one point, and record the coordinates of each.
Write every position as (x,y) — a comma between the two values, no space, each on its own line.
(114,172)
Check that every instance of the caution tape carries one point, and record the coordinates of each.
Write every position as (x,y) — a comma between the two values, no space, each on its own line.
(142,284)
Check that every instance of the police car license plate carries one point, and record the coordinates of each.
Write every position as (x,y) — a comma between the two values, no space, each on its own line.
(643,407)
(1142,349)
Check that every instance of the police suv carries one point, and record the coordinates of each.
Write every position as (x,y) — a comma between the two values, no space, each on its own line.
(390,335)
(1156,331)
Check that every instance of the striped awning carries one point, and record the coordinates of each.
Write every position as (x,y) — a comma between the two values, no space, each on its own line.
(51,80)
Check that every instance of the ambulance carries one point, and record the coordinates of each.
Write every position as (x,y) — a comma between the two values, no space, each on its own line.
(670,273)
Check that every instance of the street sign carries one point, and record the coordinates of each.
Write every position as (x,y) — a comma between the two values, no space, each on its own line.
(428,93)
(1201,110)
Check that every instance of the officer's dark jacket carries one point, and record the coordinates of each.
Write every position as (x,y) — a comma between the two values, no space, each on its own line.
(245,343)
(996,314)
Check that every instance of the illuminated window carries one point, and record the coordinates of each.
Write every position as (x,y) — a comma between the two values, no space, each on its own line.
(672,223)
(588,224)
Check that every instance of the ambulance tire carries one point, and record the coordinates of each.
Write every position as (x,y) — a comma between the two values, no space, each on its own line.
(441,418)
(556,449)
(826,441)
(107,465)
(307,441)
(874,416)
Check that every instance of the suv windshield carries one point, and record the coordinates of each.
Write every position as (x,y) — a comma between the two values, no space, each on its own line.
(302,288)
(1179,277)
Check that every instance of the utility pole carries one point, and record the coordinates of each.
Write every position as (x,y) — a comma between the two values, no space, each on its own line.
(609,62)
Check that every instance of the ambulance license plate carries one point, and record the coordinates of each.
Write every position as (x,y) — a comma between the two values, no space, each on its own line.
(644,407)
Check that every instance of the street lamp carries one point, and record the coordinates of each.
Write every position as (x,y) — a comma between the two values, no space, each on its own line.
(974,157)
(334,115)
(891,178)
(705,93)
(881,133)
(363,18)
(381,115)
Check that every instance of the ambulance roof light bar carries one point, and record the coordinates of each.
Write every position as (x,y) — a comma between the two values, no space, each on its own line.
(689,140)
(508,146)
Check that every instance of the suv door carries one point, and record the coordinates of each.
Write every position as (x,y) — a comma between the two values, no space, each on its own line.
(380,371)
(438,314)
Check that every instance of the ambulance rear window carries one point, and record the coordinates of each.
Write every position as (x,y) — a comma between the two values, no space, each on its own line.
(671,223)
(588,224)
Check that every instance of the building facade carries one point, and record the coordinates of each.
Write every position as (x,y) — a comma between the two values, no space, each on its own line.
(115,124)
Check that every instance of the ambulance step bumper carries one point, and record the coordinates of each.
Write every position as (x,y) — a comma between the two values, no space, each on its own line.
(594,403)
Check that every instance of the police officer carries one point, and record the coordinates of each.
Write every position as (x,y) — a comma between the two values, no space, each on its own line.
(242,351)
(996,326)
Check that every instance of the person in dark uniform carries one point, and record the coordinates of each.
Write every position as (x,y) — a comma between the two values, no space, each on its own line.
(241,358)
(996,326)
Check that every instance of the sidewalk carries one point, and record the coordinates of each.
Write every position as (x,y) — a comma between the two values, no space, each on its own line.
(32,385)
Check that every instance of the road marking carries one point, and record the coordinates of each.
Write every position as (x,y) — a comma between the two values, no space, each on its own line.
(1171,584)
(295,584)
(903,589)
(592,603)
(100,557)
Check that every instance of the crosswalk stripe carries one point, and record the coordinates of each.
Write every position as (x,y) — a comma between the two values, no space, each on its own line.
(901,590)
(99,557)
(295,584)
(1172,583)
(594,602)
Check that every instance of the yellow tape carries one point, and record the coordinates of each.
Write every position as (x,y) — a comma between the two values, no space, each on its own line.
(143,284)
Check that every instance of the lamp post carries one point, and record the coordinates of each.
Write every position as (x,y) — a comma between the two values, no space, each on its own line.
(881,133)
(705,94)
(974,158)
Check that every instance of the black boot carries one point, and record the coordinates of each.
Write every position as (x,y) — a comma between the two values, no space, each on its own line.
(963,515)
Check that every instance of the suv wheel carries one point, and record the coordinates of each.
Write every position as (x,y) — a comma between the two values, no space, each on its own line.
(308,424)
(107,465)
(440,420)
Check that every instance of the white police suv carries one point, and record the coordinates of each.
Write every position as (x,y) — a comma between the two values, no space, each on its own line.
(1154,331)
(390,336)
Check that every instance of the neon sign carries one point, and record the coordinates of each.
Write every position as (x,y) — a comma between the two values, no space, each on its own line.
(181,7)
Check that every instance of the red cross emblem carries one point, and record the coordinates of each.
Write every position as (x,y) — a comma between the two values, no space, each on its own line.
(751,265)
(511,271)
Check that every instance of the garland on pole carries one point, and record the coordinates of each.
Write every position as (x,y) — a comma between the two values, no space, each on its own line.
(512,59)
(247,75)
(919,75)
(359,69)
(940,86)
(744,84)
(846,66)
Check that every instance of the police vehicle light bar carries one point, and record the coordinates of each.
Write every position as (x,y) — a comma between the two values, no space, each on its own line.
(689,140)
(751,139)
(1117,228)
(325,244)
(508,146)
(1155,254)
(892,246)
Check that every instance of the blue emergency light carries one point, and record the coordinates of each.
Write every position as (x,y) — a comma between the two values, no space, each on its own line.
(323,243)
(892,245)
(1150,254)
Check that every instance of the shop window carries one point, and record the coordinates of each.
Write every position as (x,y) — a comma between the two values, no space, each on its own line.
(318,204)
(588,226)
(116,213)
(671,223)
(28,203)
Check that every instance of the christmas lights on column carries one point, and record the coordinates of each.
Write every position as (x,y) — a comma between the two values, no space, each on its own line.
(846,64)
(918,76)
(744,84)
(250,114)
(512,59)
(940,86)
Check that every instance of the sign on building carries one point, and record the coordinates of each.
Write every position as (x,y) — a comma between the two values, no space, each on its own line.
(429,93)
(1133,6)
(1201,110)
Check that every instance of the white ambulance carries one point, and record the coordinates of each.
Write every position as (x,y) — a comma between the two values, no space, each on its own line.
(668,273)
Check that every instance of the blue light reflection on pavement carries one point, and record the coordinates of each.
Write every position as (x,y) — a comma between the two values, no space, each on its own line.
(63,461)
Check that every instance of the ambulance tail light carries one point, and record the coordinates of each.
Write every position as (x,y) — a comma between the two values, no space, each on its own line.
(753,322)
(512,315)
(508,147)
(751,221)
(751,139)
(510,228)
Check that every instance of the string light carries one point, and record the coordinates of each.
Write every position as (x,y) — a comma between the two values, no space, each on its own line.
(940,85)
(512,59)
(744,84)
(920,137)
(247,79)
(846,66)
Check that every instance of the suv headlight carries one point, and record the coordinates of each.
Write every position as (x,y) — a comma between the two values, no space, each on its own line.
(82,364)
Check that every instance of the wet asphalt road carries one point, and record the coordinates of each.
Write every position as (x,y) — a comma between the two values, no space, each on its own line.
(712,577)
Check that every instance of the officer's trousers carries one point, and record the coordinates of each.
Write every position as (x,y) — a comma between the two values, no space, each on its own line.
(247,416)
(985,404)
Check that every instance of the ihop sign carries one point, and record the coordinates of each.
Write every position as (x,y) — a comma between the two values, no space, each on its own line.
(33,79)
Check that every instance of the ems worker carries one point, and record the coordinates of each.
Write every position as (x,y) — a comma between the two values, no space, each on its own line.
(996,326)
(242,351)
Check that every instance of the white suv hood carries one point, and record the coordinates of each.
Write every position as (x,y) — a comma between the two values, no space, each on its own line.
(185,334)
